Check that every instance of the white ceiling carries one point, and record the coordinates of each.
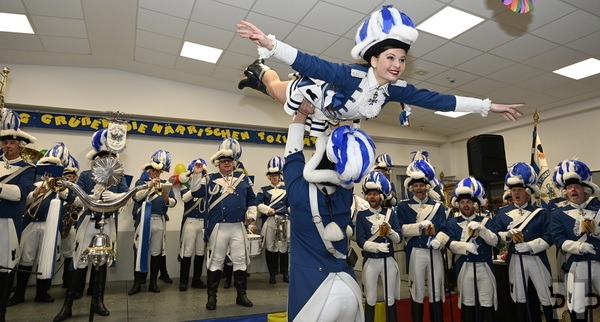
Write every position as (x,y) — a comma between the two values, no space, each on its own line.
(509,57)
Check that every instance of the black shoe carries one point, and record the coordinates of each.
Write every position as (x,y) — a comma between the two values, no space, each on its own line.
(272,279)
(211,304)
(136,288)
(166,278)
(243,300)
(198,284)
(182,287)
(100,309)
(252,82)
(153,287)
(257,69)
(44,298)
(15,300)
(286,278)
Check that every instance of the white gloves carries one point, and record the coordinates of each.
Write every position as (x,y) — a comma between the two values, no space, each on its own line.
(472,248)
(108,195)
(383,247)
(587,248)
(473,225)
(425,223)
(435,244)
(523,248)
(512,231)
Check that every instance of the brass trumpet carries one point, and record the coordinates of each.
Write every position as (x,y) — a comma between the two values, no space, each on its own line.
(53,183)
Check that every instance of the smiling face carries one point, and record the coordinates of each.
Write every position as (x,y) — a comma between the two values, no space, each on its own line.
(226,166)
(389,65)
(420,189)
(11,149)
(466,207)
(373,197)
(154,173)
(274,178)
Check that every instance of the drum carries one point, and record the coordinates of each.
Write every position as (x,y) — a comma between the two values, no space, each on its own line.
(255,244)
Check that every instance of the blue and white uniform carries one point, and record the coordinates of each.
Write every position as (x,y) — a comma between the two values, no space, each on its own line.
(273,197)
(192,225)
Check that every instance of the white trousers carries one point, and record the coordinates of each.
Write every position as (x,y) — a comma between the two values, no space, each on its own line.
(67,244)
(269,233)
(486,292)
(539,274)
(341,304)
(372,270)
(31,242)
(577,284)
(157,235)
(192,238)
(224,237)
(419,270)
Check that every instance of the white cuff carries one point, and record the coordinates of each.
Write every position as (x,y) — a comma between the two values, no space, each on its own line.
(489,237)
(172,202)
(370,247)
(187,196)
(10,192)
(263,209)
(504,236)
(295,139)
(571,246)
(442,238)
(538,245)
(251,213)
(473,105)
(411,230)
(458,247)
(395,237)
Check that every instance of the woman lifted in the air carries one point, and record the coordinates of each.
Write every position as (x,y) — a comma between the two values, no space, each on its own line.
(354,91)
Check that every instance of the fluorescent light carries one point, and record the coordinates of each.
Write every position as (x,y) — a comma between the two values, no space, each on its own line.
(200,52)
(581,69)
(452,114)
(449,23)
(12,22)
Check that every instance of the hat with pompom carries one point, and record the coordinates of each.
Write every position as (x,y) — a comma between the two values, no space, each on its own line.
(387,27)
(53,162)
(100,148)
(419,171)
(575,172)
(160,160)
(522,175)
(341,159)
(383,161)
(468,188)
(228,149)
(10,124)
(377,181)
(72,166)
(275,165)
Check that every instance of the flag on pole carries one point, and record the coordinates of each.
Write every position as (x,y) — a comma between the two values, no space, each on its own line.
(540,164)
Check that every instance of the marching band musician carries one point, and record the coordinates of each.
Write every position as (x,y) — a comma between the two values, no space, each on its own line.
(472,238)
(150,235)
(87,228)
(574,229)
(230,203)
(377,230)
(71,213)
(383,164)
(39,240)
(192,231)
(423,220)
(16,182)
(273,207)
(526,230)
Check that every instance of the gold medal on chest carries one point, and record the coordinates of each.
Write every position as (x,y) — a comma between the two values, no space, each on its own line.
(230,189)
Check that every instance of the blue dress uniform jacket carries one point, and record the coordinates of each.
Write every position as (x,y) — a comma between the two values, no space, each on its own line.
(311,263)
(265,197)
(564,226)
(195,212)
(363,232)
(23,182)
(158,204)
(454,230)
(232,208)
(407,215)
(537,227)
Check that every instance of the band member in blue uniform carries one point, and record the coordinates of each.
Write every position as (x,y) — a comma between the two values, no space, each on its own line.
(230,203)
(473,240)
(161,197)
(273,208)
(322,283)
(39,242)
(192,231)
(423,220)
(377,230)
(575,230)
(383,164)
(354,92)
(16,182)
(70,215)
(87,228)
(526,229)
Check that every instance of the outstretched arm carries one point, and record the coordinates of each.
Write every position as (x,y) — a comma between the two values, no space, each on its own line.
(509,111)
(250,31)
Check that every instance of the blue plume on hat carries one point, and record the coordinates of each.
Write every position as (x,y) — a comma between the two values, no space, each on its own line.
(377,181)
(352,152)
(194,162)
(469,188)
(385,27)
(160,160)
(10,124)
(419,171)
(275,165)
(522,174)
(420,155)
(98,144)
(230,148)
(574,171)
(72,165)
(58,154)
(383,161)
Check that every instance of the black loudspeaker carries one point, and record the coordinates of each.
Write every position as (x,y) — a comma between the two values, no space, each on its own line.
(487,159)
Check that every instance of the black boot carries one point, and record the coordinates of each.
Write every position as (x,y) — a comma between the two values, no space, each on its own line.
(164,275)
(198,264)
(99,289)
(137,283)
(184,273)
(240,280)
(41,291)
(578,317)
(22,279)
(212,287)
(487,314)
(369,313)
(6,281)
(80,282)
(521,312)
(270,258)
(254,74)
(67,309)
(390,312)
(154,267)
(436,311)
(90,289)
(257,69)
(416,310)
(228,272)
(284,259)
(549,313)
(467,313)
(65,276)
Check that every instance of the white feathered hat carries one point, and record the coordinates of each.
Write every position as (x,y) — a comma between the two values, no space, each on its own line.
(72,166)
(383,28)
(10,124)
(99,145)
(575,172)
(275,165)
(383,161)
(53,161)
(523,175)
(469,188)
(341,159)
(375,180)
(160,160)
(229,148)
